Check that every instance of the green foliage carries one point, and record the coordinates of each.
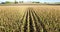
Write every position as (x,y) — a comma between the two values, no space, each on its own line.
(7,2)
(35,2)
(57,2)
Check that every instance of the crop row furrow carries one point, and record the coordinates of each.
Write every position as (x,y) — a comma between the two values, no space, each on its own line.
(38,27)
(30,19)
(41,23)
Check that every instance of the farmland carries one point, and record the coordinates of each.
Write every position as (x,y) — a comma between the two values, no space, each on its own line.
(33,18)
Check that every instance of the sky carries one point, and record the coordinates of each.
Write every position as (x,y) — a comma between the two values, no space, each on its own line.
(32,0)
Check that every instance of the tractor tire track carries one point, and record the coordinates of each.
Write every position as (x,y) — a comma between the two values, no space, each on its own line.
(21,21)
(34,19)
(25,26)
(36,25)
(24,22)
(30,19)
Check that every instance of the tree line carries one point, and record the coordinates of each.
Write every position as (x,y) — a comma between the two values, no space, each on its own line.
(16,2)
(7,2)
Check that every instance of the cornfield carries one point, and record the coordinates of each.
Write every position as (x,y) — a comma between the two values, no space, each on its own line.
(29,18)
